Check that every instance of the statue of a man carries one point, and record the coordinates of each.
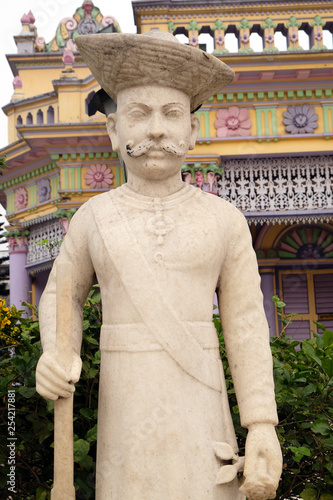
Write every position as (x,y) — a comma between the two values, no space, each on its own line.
(159,248)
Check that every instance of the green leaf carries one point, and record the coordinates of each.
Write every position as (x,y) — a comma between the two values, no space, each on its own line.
(91,340)
(41,493)
(309,350)
(81,449)
(85,325)
(321,426)
(91,435)
(309,494)
(309,389)
(328,338)
(27,392)
(328,442)
(87,413)
(327,364)
(301,450)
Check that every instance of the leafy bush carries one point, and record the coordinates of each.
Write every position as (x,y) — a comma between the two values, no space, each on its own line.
(34,415)
(303,375)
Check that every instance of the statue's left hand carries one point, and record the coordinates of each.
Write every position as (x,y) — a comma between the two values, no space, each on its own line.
(263,462)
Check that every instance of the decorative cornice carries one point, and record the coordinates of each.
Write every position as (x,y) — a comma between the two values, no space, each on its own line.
(310,218)
(29,175)
(37,268)
(39,220)
(28,100)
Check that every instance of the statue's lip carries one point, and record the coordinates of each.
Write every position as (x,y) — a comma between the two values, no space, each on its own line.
(156,153)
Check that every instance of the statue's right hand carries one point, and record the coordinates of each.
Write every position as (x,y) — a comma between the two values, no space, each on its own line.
(52,381)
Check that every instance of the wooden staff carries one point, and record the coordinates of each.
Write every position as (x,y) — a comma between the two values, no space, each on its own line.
(63,488)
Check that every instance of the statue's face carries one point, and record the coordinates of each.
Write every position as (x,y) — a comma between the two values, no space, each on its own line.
(153,129)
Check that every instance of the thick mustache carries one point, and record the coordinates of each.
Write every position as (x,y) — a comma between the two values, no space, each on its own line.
(145,146)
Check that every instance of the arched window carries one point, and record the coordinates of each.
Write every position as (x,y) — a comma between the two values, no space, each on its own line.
(30,120)
(90,107)
(40,117)
(50,115)
(19,121)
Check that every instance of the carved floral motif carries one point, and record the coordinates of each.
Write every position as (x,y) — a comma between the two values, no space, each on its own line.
(300,119)
(233,122)
(293,37)
(269,38)
(245,38)
(99,176)
(43,190)
(194,41)
(21,198)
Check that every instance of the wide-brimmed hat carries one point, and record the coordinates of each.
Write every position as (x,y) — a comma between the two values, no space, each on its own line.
(119,61)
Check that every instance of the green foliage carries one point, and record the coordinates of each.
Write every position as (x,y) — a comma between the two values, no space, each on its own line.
(62,213)
(3,163)
(303,374)
(16,233)
(34,415)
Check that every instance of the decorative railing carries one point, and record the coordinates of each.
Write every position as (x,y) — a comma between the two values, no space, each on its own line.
(306,23)
(278,184)
(44,241)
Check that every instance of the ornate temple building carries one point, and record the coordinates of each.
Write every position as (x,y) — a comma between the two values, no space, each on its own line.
(265,141)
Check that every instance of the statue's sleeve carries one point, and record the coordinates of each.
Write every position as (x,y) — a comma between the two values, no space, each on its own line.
(245,326)
(74,249)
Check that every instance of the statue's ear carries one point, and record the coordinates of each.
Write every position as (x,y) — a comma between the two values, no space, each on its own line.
(195,126)
(111,126)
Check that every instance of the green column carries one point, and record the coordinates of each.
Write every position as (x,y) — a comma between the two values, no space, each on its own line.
(206,131)
(268,119)
(328,123)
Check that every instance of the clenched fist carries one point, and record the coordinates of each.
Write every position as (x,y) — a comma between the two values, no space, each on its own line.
(52,380)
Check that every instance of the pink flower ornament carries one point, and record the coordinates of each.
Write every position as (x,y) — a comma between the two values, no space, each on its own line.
(269,38)
(318,36)
(293,37)
(245,38)
(21,198)
(220,39)
(194,40)
(233,122)
(98,176)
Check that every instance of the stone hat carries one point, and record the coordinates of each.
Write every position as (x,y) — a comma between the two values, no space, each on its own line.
(119,61)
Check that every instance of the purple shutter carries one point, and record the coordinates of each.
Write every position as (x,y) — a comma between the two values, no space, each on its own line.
(295,296)
(295,293)
(323,287)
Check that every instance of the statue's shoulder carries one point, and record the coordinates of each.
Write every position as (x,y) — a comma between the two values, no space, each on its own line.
(220,207)
(102,199)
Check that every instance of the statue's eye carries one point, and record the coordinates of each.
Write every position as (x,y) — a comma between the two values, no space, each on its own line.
(173,113)
(137,113)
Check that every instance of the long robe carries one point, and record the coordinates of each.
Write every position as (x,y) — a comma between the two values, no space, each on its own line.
(157,424)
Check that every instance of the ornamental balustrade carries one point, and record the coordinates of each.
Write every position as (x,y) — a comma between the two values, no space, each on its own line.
(52,234)
(279,184)
(288,24)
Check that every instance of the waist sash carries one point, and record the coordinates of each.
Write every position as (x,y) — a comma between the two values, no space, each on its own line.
(159,317)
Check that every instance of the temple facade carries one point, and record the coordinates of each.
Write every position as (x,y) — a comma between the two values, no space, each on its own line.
(265,142)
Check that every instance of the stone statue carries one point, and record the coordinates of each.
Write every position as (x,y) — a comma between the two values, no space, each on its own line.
(159,248)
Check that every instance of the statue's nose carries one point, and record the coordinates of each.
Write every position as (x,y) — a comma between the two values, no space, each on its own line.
(156,128)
